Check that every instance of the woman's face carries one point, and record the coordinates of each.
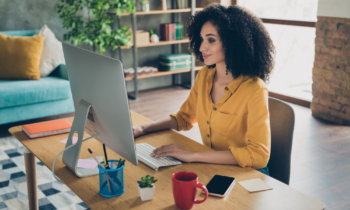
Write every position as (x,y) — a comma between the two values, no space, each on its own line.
(211,46)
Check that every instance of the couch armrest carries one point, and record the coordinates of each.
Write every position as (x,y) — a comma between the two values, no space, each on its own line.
(60,71)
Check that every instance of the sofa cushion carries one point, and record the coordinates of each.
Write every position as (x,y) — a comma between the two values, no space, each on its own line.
(34,111)
(22,92)
(52,54)
(20,33)
(20,57)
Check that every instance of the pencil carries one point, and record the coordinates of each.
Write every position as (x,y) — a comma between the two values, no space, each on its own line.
(92,154)
(104,150)
(109,186)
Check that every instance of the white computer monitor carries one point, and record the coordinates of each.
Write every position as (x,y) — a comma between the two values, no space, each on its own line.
(101,105)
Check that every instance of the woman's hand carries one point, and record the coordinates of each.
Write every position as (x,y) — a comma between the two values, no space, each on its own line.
(175,151)
(138,131)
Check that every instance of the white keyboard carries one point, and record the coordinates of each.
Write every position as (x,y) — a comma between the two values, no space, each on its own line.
(144,151)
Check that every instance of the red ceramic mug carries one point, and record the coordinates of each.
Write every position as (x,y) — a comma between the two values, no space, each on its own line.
(185,184)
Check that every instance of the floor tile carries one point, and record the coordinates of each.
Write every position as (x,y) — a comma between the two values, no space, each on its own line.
(3,205)
(4,184)
(9,196)
(299,172)
(334,195)
(8,165)
(337,161)
(51,191)
(43,201)
(47,207)
(17,175)
(16,204)
(61,200)
(70,207)
(321,181)
(341,206)
(6,190)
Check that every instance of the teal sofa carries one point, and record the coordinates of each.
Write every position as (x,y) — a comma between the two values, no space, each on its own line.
(30,99)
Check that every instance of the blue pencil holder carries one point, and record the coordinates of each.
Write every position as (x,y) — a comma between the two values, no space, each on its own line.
(115,184)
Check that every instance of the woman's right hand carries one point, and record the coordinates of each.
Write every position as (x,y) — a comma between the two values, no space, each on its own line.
(138,131)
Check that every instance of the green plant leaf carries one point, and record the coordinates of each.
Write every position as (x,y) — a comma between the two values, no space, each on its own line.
(94,30)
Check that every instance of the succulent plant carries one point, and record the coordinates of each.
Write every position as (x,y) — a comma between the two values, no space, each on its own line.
(146,181)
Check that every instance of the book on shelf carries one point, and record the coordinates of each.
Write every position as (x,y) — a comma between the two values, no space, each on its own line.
(172,35)
(163,31)
(167,32)
(47,128)
(179,27)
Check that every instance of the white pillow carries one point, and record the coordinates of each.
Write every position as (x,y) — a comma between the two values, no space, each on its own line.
(52,53)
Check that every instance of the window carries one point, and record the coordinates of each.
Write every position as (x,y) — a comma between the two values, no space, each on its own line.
(292,75)
(305,10)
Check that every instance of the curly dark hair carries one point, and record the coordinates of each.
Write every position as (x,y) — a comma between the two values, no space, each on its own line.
(249,50)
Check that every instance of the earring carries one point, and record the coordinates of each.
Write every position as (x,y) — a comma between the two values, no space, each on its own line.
(226,72)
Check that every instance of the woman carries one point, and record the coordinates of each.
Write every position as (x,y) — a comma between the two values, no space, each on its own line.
(229,99)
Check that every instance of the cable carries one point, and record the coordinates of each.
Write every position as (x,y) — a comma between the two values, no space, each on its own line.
(53,165)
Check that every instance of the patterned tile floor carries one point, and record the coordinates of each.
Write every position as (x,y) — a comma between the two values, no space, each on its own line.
(13,186)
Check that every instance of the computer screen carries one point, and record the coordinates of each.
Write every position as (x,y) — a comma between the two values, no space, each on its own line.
(99,80)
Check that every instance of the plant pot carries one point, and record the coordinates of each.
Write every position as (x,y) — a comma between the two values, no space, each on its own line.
(154,38)
(147,193)
(145,7)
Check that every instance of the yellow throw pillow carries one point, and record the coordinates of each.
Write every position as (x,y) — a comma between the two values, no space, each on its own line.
(20,57)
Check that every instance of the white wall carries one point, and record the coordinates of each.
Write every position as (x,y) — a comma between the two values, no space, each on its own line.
(334,8)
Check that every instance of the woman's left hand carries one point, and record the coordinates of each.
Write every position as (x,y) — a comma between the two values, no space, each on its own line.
(175,151)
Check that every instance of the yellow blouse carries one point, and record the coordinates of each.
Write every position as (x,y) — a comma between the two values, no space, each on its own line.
(239,121)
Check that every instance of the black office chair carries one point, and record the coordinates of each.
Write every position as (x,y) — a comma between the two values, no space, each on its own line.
(282,127)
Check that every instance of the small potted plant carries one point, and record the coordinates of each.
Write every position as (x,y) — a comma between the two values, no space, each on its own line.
(146,187)
(154,36)
(144,5)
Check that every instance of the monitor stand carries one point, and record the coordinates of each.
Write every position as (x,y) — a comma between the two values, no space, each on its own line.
(71,156)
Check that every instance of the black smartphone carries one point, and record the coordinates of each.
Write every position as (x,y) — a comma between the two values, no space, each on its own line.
(220,185)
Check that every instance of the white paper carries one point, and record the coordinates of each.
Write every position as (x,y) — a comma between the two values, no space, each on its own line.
(255,185)
(74,139)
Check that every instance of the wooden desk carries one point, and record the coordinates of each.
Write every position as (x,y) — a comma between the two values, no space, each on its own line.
(281,197)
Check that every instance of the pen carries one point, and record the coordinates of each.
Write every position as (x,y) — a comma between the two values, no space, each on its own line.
(92,154)
(104,150)
(121,164)
(109,186)
(120,161)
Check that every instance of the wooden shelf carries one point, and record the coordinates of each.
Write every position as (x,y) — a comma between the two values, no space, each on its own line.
(152,12)
(163,73)
(185,40)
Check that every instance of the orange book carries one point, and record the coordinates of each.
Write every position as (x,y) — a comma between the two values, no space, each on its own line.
(47,128)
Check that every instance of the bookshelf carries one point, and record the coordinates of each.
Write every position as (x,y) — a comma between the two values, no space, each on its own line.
(163,73)
(135,46)
(185,40)
(154,12)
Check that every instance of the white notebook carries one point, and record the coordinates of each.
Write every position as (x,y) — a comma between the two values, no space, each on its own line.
(255,185)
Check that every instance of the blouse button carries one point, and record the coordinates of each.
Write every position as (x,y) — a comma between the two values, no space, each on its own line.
(226,88)
(214,108)
(207,122)
(208,135)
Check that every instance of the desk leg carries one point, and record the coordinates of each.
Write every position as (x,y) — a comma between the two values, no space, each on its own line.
(30,165)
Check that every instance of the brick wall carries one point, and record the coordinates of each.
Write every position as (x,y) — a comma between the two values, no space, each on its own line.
(331,71)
